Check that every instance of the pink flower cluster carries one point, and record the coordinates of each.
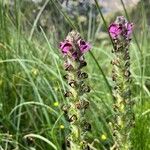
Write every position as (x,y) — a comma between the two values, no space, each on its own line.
(121,28)
(68,48)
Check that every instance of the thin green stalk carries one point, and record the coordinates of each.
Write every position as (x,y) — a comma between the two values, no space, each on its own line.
(104,21)
(59,8)
(37,19)
(104,76)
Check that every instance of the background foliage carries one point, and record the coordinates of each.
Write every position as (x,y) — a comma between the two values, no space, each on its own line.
(31,78)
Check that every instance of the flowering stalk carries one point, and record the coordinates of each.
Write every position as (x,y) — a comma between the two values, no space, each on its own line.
(120,32)
(73,49)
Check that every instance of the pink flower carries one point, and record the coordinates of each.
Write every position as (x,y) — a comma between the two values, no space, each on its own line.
(74,50)
(120,28)
(115,30)
(65,47)
(84,46)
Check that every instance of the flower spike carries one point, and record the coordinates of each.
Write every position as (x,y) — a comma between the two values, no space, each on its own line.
(121,32)
(73,49)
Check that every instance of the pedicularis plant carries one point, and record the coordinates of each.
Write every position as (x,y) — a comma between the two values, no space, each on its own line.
(73,48)
(120,32)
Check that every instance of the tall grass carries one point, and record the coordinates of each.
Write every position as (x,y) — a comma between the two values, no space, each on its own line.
(31,83)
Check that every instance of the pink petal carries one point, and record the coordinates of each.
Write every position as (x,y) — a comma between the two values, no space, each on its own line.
(115,30)
(65,47)
(84,46)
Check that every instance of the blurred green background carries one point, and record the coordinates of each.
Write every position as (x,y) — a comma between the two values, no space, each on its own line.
(31,77)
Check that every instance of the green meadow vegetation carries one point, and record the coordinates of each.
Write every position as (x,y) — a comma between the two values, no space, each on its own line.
(32,86)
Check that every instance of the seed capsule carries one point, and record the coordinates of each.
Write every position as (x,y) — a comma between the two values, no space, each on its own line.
(83,75)
(114,76)
(30,140)
(83,104)
(73,118)
(78,105)
(85,88)
(115,62)
(115,107)
(68,143)
(68,94)
(87,148)
(126,93)
(82,64)
(126,56)
(127,64)
(73,83)
(84,145)
(66,77)
(65,108)
(68,66)
(115,87)
(127,73)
